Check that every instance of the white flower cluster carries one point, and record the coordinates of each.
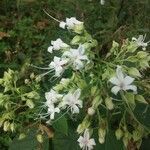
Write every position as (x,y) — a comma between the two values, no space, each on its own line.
(55,102)
(75,58)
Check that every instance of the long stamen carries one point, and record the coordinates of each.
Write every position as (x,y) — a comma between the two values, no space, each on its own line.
(51,16)
(39,67)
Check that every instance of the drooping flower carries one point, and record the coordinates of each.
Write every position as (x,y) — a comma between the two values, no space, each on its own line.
(57,45)
(72,101)
(52,97)
(85,142)
(70,23)
(122,82)
(57,64)
(77,57)
(52,110)
(140,41)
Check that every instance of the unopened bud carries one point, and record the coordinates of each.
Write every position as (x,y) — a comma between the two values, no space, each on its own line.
(38,79)
(22,136)
(109,104)
(32,75)
(119,134)
(6,126)
(26,81)
(12,127)
(39,138)
(91,111)
(30,104)
(101,134)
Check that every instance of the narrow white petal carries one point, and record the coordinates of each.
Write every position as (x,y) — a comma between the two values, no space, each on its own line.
(77,93)
(120,75)
(115,89)
(128,80)
(114,80)
(131,87)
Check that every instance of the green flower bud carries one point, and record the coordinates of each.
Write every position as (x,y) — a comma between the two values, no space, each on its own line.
(101,134)
(22,136)
(26,81)
(38,79)
(109,104)
(12,127)
(84,125)
(76,40)
(32,76)
(1,81)
(78,28)
(119,134)
(6,126)
(39,138)
(134,72)
(30,103)
(94,90)
(91,111)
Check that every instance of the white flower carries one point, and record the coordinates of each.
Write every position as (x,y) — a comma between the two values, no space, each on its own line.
(52,110)
(70,23)
(57,45)
(85,142)
(77,57)
(102,2)
(140,41)
(52,97)
(72,101)
(57,64)
(122,82)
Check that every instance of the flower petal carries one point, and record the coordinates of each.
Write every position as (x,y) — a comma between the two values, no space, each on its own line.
(114,80)
(131,87)
(120,75)
(77,93)
(115,89)
(62,24)
(128,80)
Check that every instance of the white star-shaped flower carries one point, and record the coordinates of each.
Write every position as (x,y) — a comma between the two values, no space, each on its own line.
(85,142)
(70,23)
(52,97)
(57,45)
(77,57)
(122,82)
(52,110)
(58,65)
(140,41)
(72,101)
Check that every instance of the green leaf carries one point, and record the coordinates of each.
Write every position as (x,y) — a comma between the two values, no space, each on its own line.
(61,125)
(141,99)
(66,142)
(29,142)
(142,113)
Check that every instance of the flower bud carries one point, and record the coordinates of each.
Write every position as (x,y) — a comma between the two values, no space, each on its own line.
(91,111)
(30,103)
(39,138)
(101,134)
(26,81)
(109,104)
(1,81)
(6,126)
(76,40)
(38,79)
(84,125)
(12,127)
(118,134)
(22,136)
(94,90)
(32,75)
